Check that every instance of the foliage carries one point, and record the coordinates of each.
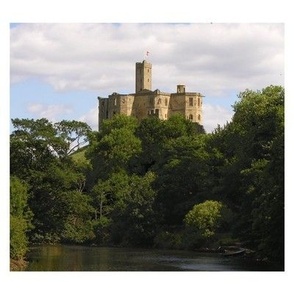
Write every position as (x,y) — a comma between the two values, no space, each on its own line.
(113,148)
(72,133)
(78,227)
(133,215)
(205,217)
(184,161)
(139,183)
(39,156)
(259,120)
(20,218)
(125,203)
(18,238)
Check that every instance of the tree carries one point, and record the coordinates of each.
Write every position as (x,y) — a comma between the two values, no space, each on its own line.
(113,148)
(155,134)
(205,217)
(181,177)
(151,133)
(20,218)
(259,117)
(133,216)
(39,156)
(252,174)
(124,209)
(78,226)
(118,122)
(73,132)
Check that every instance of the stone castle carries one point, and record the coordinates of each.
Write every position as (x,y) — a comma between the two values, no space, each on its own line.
(145,102)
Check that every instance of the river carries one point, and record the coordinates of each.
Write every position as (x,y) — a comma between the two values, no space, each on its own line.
(83,258)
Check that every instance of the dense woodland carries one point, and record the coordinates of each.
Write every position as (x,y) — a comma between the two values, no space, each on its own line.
(163,184)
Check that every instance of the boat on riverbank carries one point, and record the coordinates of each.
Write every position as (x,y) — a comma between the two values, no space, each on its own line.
(234,252)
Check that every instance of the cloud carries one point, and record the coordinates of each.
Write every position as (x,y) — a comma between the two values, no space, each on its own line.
(51,112)
(91,118)
(214,115)
(208,58)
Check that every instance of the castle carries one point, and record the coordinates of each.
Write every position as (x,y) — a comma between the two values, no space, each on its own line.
(145,102)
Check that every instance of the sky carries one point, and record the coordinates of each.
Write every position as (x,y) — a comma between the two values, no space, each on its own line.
(57,70)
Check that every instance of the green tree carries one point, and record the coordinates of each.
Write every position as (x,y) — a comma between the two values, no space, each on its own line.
(177,126)
(151,133)
(78,226)
(113,148)
(73,132)
(39,155)
(118,122)
(133,215)
(181,177)
(251,176)
(155,134)
(259,116)
(124,209)
(20,218)
(205,217)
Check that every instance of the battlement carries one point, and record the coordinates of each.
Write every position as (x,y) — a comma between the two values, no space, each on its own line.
(145,102)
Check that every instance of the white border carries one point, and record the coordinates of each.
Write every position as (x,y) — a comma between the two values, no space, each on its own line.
(139,11)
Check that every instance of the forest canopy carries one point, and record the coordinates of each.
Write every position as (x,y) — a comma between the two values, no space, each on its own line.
(164,184)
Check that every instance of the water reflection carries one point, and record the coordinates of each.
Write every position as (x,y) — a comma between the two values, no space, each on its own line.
(81,258)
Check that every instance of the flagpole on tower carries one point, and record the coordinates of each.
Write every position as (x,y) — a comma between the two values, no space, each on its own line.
(147,54)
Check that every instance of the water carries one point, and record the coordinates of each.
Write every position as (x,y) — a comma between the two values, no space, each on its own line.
(82,258)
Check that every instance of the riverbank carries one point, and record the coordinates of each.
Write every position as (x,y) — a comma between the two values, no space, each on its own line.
(91,258)
(18,265)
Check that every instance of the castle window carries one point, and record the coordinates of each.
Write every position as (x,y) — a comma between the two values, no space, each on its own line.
(165,101)
(157,112)
(199,117)
(190,117)
(199,102)
(191,101)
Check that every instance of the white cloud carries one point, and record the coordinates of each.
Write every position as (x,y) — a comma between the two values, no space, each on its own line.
(217,60)
(91,118)
(51,112)
(214,115)
(208,58)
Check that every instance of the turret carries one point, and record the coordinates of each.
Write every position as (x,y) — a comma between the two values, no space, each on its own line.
(143,76)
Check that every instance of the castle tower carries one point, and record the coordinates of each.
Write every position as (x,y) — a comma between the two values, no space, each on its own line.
(145,102)
(143,76)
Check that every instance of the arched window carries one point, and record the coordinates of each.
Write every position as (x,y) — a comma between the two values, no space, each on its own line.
(191,117)
(199,117)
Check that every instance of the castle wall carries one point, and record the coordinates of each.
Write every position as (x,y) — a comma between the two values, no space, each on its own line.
(115,104)
(146,102)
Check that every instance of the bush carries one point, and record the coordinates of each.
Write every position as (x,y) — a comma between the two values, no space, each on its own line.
(18,239)
(20,218)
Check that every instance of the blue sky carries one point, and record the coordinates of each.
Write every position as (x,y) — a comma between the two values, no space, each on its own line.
(34,98)
(58,70)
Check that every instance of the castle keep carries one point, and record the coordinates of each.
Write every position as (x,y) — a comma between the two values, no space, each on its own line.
(145,102)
